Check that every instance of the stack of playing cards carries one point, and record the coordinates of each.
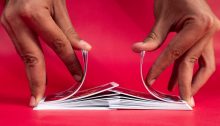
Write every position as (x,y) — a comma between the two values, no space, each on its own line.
(110,96)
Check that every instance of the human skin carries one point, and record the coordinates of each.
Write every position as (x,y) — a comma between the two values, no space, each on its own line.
(195,25)
(24,21)
(193,21)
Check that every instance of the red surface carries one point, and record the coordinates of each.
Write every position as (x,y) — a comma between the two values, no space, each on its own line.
(111,26)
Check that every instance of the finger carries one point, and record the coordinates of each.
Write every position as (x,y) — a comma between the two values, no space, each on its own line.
(192,31)
(30,51)
(174,76)
(65,25)
(154,39)
(185,71)
(206,68)
(9,31)
(206,62)
(44,25)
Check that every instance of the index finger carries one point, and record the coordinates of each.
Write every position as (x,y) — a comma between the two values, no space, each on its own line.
(45,26)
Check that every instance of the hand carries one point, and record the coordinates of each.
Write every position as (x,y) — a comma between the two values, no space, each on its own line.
(24,21)
(195,25)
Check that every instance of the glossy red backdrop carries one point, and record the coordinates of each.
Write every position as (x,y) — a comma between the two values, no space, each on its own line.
(111,26)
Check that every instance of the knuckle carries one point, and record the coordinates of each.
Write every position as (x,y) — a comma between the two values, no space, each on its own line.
(9,15)
(59,46)
(152,36)
(70,32)
(204,21)
(190,59)
(30,60)
(28,11)
(175,53)
(208,22)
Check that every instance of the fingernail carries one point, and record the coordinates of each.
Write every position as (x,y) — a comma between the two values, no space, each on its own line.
(77,77)
(137,47)
(152,81)
(85,45)
(192,102)
(32,101)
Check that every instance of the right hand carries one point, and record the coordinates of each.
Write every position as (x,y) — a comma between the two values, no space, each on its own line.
(24,21)
(195,25)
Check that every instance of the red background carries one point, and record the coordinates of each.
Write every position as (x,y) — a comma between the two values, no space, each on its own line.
(111,26)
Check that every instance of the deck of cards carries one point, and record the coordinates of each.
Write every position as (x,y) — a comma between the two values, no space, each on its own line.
(110,96)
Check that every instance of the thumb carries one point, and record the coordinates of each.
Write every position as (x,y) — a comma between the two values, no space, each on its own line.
(154,39)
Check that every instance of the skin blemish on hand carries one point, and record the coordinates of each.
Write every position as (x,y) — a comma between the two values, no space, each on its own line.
(175,53)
